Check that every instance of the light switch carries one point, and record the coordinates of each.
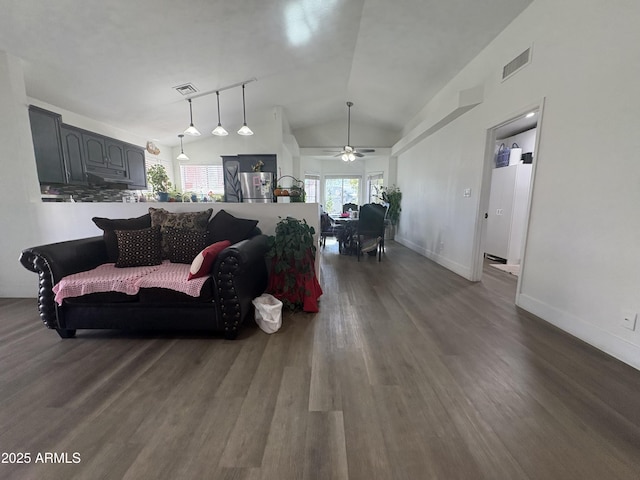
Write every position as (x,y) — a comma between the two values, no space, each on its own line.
(467,192)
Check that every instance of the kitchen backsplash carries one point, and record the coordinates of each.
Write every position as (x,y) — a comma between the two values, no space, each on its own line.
(91,194)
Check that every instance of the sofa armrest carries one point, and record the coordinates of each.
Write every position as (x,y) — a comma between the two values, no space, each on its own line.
(65,258)
(54,261)
(240,275)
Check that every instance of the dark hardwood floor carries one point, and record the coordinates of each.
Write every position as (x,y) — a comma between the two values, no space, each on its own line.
(408,372)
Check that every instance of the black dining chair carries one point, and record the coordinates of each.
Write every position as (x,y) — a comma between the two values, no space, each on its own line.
(349,206)
(328,228)
(370,230)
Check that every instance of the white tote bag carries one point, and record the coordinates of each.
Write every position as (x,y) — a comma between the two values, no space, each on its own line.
(268,312)
(515,155)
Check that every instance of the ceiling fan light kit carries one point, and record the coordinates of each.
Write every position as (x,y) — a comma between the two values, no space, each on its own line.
(349,153)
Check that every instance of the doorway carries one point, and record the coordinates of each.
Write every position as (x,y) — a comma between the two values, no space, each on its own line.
(506,192)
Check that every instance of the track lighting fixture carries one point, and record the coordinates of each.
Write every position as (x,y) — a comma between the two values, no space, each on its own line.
(244,130)
(219,130)
(193,131)
(182,155)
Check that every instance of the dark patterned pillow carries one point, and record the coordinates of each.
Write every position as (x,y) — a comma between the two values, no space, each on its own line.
(110,225)
(186,220)
(224,226)
(184,244)
(139,248)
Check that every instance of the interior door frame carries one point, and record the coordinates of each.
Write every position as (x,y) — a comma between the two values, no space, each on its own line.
(485,191)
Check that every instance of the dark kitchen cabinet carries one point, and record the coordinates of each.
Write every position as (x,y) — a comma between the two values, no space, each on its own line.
(135,166)
(104,156)
(45,130)
(73,154)
(70,155)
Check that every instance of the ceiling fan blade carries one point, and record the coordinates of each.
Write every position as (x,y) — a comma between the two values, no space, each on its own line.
(358,154)
(367,150)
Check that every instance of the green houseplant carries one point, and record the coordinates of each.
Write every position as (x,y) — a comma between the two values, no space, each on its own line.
(159,180)
(292,252)
(392,196)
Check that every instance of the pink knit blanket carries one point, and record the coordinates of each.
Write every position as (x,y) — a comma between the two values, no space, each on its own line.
(108,278)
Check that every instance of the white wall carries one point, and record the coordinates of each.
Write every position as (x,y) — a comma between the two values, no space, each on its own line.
(334,134)
(582,263)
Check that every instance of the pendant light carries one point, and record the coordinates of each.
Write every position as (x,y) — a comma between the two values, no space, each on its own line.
(193,131)
(244,130)
(182,156)
(219,130)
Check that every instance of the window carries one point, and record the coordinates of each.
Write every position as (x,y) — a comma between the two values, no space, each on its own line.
(202,179)
(340,190)
(374,182)
(312,188)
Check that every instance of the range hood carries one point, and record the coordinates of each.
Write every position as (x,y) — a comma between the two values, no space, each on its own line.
(101,180)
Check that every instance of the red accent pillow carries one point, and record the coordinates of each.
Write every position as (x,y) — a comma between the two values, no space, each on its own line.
(201,265)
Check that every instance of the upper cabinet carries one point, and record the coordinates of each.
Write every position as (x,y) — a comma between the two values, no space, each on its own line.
(104,157)
(45,130)
(69,155)
(134,157)
(72,152)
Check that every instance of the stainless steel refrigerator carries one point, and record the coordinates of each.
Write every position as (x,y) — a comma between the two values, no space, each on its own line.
(256,187)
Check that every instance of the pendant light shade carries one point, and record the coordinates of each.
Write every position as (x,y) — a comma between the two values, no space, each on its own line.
(219,130)
(193,131)
(182,156)
(244,130)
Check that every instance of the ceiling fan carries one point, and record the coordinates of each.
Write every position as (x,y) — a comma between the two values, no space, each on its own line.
(349,153)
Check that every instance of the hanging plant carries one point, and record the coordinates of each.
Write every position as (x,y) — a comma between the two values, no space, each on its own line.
(292,252)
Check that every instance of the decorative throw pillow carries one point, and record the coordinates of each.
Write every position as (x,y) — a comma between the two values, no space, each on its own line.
(186,220)
(201,265)
(184,244)
(109,227)
(139,248)
(224,226)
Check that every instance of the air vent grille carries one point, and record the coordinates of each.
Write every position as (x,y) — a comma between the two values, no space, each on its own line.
(186,89)
(516,64)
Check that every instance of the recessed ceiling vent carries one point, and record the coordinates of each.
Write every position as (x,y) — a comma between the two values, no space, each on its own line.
(186,89)
(516,64)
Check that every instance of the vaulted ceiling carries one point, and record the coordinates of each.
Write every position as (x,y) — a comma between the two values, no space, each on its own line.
(117,61)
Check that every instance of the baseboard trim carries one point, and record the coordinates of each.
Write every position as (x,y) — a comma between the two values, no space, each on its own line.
(462,270)
(617,347)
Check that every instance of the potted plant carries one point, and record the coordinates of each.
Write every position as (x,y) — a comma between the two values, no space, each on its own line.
(292,252)
(159,180)
(392,198)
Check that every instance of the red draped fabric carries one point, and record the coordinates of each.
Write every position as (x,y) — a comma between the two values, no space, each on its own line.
(304,293)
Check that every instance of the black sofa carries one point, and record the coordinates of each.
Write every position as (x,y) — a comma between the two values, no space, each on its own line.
(239,274)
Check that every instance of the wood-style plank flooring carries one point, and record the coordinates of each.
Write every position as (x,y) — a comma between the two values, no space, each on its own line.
(408,372)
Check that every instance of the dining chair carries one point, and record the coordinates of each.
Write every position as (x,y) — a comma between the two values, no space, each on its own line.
(328,228)
(349,206)
(370,230)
